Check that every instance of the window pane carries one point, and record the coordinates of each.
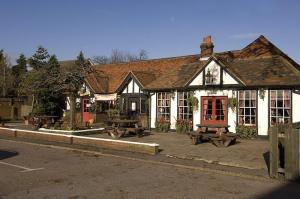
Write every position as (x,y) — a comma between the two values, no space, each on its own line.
(280,103)
(247,110)
(185,111)
(279,94)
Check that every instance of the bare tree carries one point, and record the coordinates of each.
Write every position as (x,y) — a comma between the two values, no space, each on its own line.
(118,56)
(143,54)
(5,73)
(101,59)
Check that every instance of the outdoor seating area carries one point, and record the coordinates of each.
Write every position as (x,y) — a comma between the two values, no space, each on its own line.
(247,153)
(118,128)
(218,135)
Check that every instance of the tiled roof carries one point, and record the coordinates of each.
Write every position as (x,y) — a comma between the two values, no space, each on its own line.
(177,77)
(265,71)
(144,77)
(260,63)
(97,80)
(157,67)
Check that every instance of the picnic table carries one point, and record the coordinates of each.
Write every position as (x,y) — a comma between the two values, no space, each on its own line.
(120,127)
(44,120)
(219,137)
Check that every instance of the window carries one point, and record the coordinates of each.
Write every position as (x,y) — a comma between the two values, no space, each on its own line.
(86,105)
(185,111)
(163,105)
(280,107)
(247,107)
(144,107)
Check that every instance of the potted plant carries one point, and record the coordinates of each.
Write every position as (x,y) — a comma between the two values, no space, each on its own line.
(162,125)
(183,126)
(232,103)
(193,101)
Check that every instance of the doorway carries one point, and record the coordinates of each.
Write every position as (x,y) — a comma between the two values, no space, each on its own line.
(214,110)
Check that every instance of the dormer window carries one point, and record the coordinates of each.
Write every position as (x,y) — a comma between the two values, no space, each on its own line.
(209,78)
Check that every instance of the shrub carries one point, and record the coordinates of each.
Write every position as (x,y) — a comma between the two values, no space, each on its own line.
(193,101)
(246,131)
(162,125)
(113,113)
(183,126)
(232,103)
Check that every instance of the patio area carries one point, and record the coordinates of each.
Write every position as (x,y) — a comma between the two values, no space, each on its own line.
(250,154)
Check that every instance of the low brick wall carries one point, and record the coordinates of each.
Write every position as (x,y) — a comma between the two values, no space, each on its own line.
(6,132)
(121,145)
(50,137)
(117,145)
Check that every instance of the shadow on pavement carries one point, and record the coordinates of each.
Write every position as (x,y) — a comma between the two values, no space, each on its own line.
(288,190)
(7,154)
(266,156)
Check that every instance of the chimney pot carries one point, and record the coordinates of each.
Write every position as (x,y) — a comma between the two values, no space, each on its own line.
(207,48)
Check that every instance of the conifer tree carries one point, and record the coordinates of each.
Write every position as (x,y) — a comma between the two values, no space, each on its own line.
(19,71)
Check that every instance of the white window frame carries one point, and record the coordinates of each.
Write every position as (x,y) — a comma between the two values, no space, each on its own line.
(182,115)
(280,119)
(243,107)
(163,105)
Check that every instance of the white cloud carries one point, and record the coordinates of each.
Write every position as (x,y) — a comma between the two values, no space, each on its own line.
(245,36)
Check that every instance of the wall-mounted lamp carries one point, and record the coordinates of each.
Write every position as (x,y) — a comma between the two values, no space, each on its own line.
(261,93)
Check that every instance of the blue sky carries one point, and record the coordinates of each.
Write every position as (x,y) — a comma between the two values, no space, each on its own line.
(163,28)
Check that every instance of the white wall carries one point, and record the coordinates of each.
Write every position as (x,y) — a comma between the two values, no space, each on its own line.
(227,79)
(196,112)
(132,87)
(136,88)
(173,115)
(263,114)
(153,110)
(198,80)
(296,107)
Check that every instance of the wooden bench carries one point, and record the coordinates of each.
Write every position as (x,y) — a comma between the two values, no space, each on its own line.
(221,138)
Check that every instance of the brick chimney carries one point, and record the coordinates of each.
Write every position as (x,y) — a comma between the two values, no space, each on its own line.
(207,48)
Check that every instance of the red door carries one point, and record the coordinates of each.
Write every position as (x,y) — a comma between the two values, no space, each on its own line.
(214,110)
(85,110)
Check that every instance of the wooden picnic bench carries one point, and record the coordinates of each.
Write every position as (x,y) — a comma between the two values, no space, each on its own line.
(120,127)
(44,121)
(220,137)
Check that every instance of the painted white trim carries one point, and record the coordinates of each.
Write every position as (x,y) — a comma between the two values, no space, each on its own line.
(296,107)
(119,141)
(66,131)
(88,138)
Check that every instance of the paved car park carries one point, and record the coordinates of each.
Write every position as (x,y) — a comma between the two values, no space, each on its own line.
(38,171)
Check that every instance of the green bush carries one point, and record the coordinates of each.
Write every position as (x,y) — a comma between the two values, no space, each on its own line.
(162,125)
(183,126)
(113,113)
(246,131)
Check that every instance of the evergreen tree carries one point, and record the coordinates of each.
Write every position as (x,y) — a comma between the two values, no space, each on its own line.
(19,71)
(42,82)
(39,59)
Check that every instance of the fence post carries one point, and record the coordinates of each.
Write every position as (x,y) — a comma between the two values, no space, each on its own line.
(273,131)
(292,154)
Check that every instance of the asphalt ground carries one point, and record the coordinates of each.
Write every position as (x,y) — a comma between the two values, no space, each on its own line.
(30,170)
